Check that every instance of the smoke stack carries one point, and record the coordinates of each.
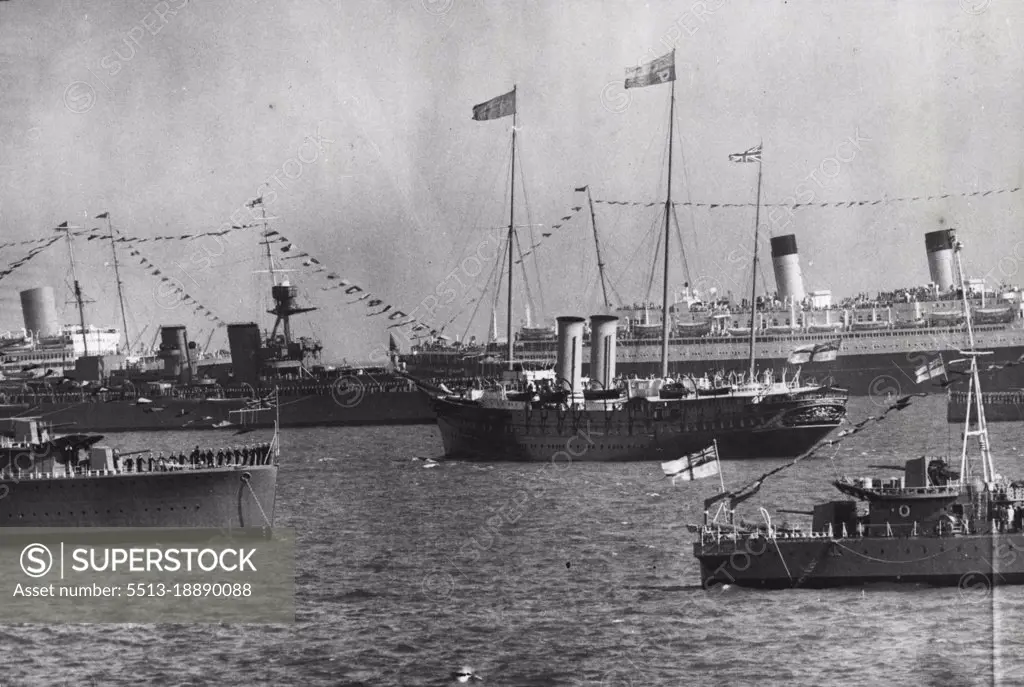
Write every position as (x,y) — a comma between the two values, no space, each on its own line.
(786,261)
(602,349)
(244,340)
(39,309)
(569,362)
(175,354)
(939,246)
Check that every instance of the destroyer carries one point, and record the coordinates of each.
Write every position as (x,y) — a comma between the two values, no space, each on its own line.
(71,481)
(932,525)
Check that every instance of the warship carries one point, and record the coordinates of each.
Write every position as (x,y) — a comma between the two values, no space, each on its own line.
(86,383)
(561,416)
(933,524)
(49,480)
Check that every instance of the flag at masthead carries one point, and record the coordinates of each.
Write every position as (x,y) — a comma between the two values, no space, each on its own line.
(502,106)
(661,70)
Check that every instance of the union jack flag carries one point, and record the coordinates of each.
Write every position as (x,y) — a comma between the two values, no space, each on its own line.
(752,155)
(265,403)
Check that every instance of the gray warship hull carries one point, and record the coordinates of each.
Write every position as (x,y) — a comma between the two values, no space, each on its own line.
(228,497)
(970,562)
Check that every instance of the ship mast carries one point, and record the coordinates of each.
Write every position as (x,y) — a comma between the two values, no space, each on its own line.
(117,277)
(974,386)
(753,272)
(266,240)
(597,245)
(78,289)
(511,234)
(284,293)
(668,213)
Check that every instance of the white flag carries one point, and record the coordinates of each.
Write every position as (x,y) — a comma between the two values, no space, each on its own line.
(694,466)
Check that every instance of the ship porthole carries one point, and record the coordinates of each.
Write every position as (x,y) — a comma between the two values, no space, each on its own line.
(904,510)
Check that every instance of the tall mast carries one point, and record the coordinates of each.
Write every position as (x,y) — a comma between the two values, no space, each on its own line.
(511,232)
(668,210)
(753,272)
(974,386)
(117,277)
(78,289)
(266,241)
(597,245)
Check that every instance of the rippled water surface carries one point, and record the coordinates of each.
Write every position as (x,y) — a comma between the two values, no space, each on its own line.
(581,575)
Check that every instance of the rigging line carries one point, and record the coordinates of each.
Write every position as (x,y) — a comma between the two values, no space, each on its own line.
(482,297)
(611,252)
(445,325)
(693,220)
(655,266)
(839,204)
(472,316)
(682,252)
(615,292)
(522,263)
(497,288)
(529,222)
(654,263)
(589,282)
(640,246)
(764,279)
(499,173)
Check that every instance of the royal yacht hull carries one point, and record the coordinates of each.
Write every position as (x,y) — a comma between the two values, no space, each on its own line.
(783,427)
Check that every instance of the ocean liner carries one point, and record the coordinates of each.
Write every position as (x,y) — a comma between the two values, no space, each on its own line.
(50,480)
(605,418)
(1000,406)
(932,524)
(883,338)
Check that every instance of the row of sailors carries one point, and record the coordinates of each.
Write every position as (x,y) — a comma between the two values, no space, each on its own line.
(259,454)
(344,385)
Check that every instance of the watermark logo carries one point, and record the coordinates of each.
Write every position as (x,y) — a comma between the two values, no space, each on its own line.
(974,7)
(149,574)
(615,98)
(36,560)
(438,7)
(348,391)
(169,294)
(884,389)
(438,585)
(79,97)
(974,587)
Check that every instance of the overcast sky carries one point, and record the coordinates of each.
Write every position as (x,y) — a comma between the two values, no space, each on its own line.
(171,116)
